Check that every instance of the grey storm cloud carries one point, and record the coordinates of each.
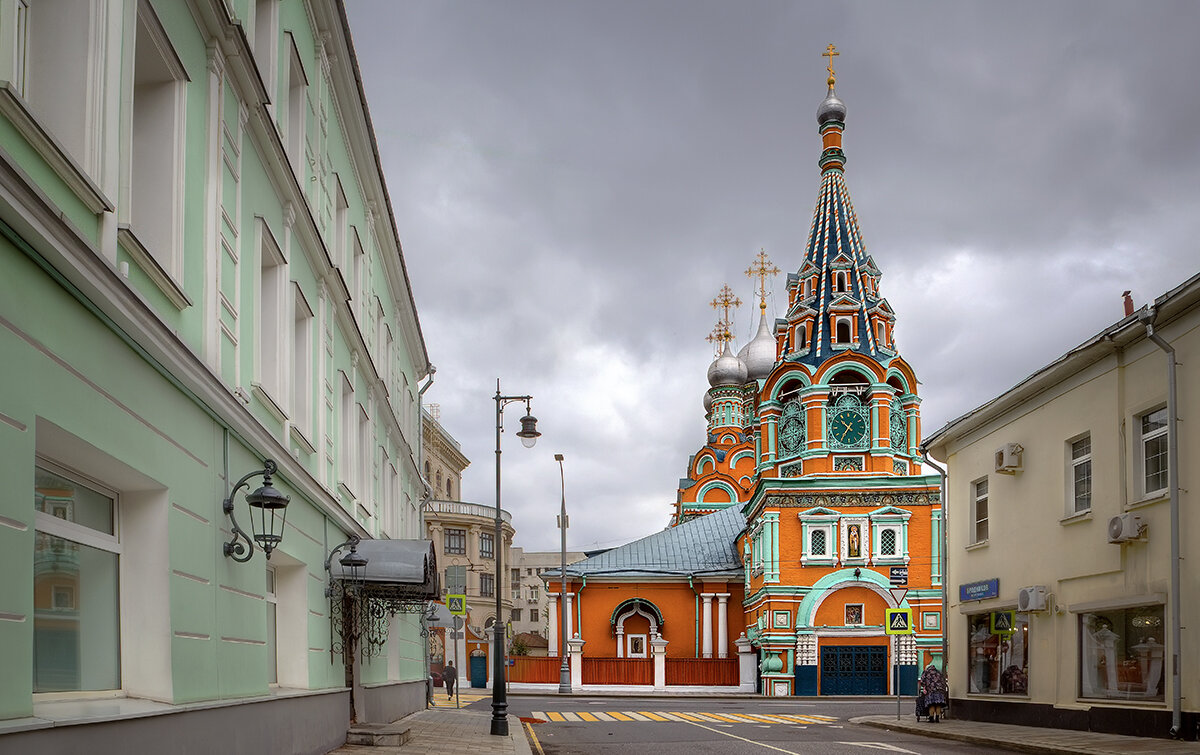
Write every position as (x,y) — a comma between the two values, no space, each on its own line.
(573,182)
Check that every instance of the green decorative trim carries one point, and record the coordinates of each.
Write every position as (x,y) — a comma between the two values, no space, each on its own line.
(808,607)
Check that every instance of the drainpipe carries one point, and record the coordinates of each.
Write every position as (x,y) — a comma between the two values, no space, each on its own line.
(945,563)
(1146,317)
(696,621)
(428,489)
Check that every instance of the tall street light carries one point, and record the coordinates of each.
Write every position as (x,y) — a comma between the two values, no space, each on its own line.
(528,435)
(564,671)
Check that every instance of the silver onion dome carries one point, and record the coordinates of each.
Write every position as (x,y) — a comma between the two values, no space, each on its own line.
(708,401)
(726,370)
(831,109)
(759,354)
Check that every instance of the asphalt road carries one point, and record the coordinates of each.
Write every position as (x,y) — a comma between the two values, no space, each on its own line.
(712,726)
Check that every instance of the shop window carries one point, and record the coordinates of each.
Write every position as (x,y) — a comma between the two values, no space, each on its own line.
(76,597)
(998,663)
(1121,653)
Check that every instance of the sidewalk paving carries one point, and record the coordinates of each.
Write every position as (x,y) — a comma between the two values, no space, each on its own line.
(438,731)
(1030,738)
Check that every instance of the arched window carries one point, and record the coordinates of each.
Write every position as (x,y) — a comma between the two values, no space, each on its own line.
(801,336)
(438,486)
(449,489)
(427,470)
(881,332)
(843,330)
(839,282)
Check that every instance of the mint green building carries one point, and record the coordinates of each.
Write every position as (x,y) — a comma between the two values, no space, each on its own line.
(199,271)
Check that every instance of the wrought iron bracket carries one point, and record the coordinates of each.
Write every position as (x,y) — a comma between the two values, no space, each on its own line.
(235,549)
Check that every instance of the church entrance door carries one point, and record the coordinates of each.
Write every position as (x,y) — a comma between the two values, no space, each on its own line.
(853,670)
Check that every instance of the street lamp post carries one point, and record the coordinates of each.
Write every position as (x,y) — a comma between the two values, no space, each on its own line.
(528,435)
(564,671)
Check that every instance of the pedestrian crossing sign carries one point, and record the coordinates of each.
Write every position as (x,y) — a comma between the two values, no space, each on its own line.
(457,604)
(1004,622)
(898,621)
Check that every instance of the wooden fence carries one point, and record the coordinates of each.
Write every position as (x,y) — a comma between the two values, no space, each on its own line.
(534,669)
(704,672)
(618,671)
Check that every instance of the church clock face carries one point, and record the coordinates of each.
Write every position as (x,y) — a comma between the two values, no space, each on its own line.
(848,428)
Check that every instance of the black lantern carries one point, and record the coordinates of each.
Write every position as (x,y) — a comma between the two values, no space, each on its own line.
(268,514)
(529,432)
(354,565)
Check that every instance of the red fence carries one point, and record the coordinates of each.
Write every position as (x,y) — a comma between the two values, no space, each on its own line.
(618,671)
(534,669)
(705,672)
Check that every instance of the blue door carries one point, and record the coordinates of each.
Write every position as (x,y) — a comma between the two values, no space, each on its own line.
(479,670)
(853,670)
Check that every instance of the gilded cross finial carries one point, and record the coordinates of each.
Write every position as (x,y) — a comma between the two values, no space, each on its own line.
(718,337)
(724,302)
(761,268)
(830,52)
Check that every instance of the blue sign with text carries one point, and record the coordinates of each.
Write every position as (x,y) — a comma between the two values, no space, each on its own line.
(989,588)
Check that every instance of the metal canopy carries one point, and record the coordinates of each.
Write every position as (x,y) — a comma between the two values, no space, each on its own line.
(403,570)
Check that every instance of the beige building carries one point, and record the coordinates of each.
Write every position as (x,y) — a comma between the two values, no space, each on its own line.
(1061,512)
(464,541)
(531,600)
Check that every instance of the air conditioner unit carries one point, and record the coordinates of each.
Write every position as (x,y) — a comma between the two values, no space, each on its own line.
(1032,598)
(1008,458)
(1125,527)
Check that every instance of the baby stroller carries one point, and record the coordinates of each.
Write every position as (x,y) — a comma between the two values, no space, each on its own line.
(931,695)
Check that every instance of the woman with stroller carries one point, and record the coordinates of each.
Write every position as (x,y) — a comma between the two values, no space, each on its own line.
(932,692)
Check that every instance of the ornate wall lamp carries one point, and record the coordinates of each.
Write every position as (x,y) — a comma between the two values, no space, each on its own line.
(268,513)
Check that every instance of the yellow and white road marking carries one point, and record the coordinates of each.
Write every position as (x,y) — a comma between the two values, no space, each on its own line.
(629,716)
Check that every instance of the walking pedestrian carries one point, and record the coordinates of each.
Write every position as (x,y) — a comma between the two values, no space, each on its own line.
(449,678)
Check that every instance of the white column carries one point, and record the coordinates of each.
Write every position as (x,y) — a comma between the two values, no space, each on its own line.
(658,649)
(621,641)
(552,649)
(570,616)
(575,649)
(747,679)
(723,625)
(706,623)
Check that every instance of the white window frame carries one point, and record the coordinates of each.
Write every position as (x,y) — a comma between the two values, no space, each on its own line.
(348,434)
(830,557)
(978,497)
(1142,439)
(297,111)
(837,323)
(1073,464)
(271,301)
(302,362)
(266,42)
(271,597)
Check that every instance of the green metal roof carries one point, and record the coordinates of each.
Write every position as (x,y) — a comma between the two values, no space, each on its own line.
(702,546)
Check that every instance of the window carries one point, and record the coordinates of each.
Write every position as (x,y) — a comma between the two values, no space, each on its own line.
(297,111)
(20,55)
(1081,474)
(516,614)
(801,337)
(456,542)
(156,142)
(533,593)
(979,510)
(55,70)
(487,585)
(302,362)
(843,330)
(272,623)
(999,663)
(839,282)
(1120,653)
(818,545)
(533,615)
(449,489)
(265,35)
(487,545)
(346,441)
(456,580)
(272,287)
(1153,438)
(887,542)
(76,624)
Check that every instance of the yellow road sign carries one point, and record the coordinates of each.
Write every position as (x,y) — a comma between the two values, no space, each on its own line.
(1004,622)
(897,621)
(457,604)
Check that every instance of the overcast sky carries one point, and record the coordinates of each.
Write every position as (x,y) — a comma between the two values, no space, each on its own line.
(573,182)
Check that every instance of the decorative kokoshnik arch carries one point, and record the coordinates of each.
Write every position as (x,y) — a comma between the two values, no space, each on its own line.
(628,609)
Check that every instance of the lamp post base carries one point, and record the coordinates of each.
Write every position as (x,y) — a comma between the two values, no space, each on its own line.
(499,722)
(564,679)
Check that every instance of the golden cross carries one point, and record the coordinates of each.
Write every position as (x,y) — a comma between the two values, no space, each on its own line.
(761,268)
(725,301)
(830,52)
(718,337)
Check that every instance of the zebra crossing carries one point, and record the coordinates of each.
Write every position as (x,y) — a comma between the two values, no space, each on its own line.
(464,698)
(629,716)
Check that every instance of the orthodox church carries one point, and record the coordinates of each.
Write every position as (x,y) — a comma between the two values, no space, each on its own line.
(805,516)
